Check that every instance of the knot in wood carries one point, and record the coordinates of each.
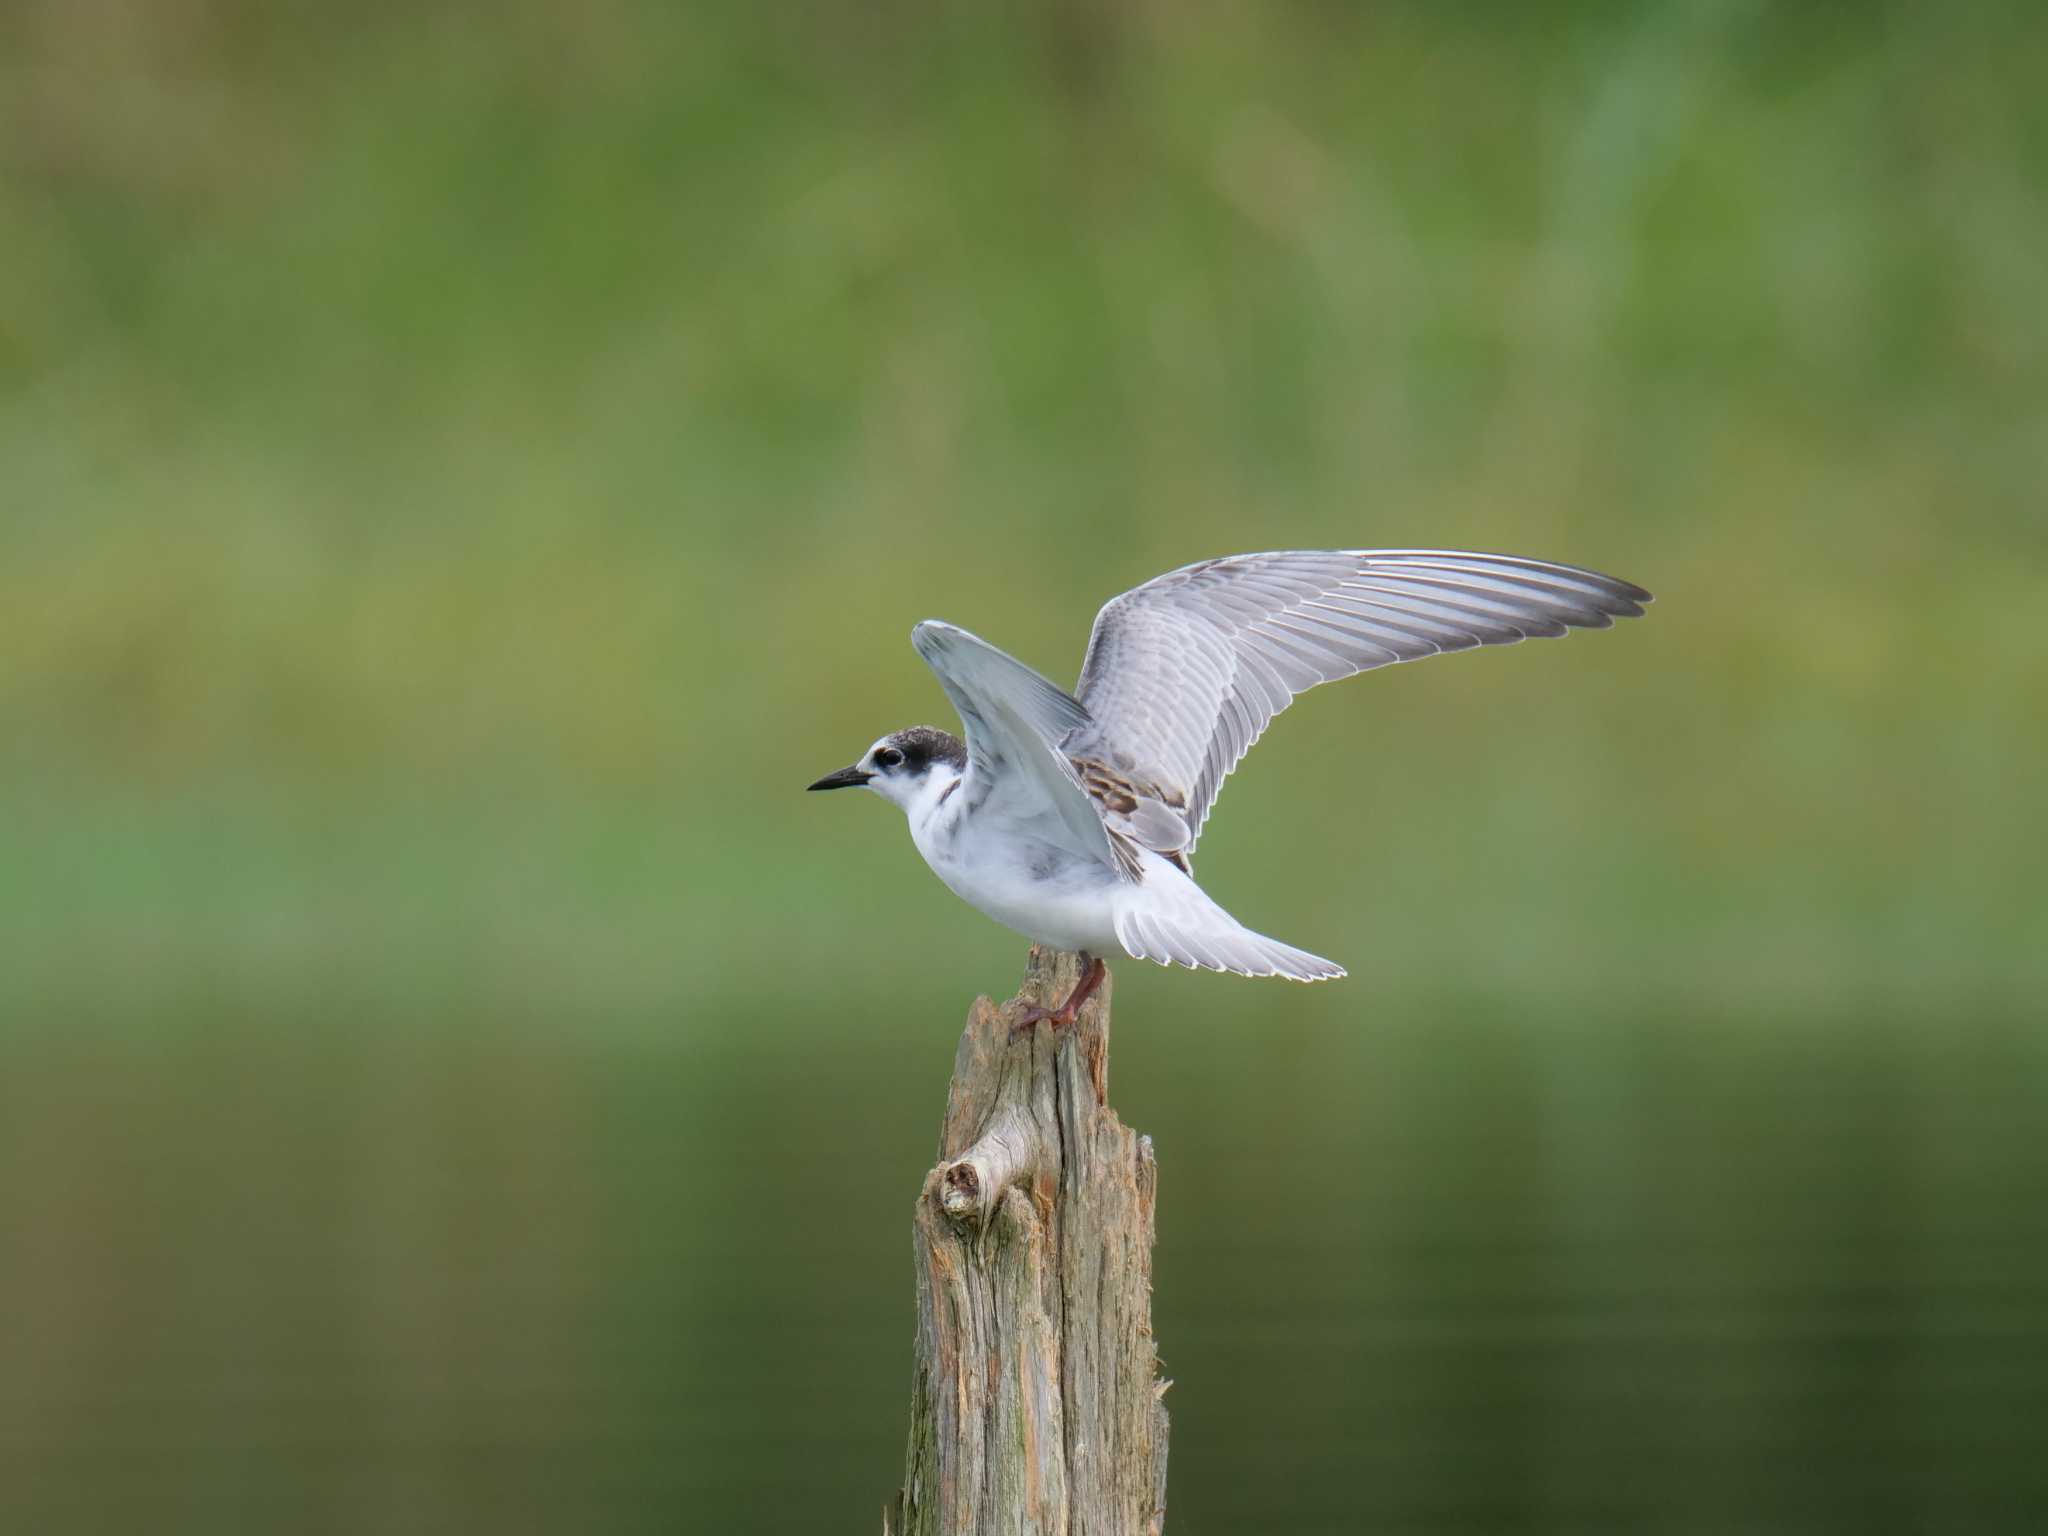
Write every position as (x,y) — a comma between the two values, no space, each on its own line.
(961,1192)
(1007,1152)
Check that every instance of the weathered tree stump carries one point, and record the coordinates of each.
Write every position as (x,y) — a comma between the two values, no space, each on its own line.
(1036,1409)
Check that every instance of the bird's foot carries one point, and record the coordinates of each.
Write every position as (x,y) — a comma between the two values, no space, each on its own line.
(1031,1015)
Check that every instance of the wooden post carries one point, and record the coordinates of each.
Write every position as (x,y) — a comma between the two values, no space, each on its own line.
(1036,1409)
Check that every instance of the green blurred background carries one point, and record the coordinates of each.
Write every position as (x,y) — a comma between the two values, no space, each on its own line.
(463,469)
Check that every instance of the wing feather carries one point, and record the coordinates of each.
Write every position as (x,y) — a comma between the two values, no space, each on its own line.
(1184,673)
(1014,719)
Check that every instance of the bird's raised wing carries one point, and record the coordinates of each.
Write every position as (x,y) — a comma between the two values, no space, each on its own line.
(1014,720)
(1184,673)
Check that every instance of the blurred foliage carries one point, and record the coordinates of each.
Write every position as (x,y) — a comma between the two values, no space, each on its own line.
(464,468)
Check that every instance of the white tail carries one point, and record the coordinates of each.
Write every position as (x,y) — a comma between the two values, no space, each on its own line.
(1170,919)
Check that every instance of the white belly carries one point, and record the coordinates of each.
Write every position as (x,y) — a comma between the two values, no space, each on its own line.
(1041,890)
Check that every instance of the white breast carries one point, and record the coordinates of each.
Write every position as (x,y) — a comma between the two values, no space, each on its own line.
(1021,879)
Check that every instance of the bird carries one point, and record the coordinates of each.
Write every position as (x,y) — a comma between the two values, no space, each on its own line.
(1073,818)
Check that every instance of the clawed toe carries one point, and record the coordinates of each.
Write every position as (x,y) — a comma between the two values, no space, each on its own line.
(1030,1016)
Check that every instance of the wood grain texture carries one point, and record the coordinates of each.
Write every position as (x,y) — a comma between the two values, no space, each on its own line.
(1036,1406)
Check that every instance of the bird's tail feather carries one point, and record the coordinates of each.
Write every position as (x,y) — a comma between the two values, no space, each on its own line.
(1193,931)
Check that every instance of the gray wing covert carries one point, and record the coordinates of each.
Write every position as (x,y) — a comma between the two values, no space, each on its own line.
(1184,673)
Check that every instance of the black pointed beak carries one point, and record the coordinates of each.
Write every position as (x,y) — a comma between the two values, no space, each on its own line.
(845,778)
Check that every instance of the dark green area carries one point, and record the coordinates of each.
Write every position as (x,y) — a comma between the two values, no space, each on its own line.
(463,469)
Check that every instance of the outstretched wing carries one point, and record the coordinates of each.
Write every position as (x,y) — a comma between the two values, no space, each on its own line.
(1184,673)
(1014,720)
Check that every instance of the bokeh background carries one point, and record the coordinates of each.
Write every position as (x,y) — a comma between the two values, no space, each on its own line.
(463,469)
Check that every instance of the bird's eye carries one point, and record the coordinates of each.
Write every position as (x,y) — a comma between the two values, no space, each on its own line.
(887,757)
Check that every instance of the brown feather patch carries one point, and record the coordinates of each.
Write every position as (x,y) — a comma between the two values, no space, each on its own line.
(1119,795)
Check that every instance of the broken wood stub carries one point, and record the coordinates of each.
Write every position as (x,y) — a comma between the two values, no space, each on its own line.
(1036,1408)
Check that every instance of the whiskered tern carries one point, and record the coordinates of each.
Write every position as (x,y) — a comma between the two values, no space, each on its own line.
(1073,817)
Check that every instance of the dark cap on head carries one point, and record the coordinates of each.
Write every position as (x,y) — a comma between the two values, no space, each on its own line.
(923,745)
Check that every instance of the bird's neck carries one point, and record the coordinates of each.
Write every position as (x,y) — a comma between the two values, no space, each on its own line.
(937,802)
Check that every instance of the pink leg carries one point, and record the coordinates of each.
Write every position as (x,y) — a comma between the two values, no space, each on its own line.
(1068,1011)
